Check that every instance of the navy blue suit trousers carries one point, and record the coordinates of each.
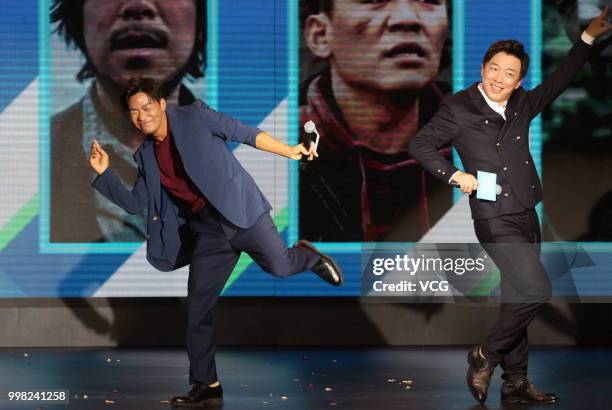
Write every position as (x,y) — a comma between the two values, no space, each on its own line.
(217,249)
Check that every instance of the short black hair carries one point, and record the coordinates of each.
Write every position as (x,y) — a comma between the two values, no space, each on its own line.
(327,6)
(514,48)
(68,17)
(312,7)
(137,85)
(320,6)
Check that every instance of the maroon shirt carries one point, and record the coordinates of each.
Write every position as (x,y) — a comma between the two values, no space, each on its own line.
(174,177)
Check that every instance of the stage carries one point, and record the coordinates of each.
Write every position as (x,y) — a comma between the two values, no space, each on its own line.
(297,378)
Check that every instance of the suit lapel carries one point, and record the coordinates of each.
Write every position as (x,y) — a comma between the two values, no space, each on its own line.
(179,126)
(480,102)
(151,171)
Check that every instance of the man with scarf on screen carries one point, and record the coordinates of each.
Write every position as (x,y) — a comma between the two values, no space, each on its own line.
(377,88)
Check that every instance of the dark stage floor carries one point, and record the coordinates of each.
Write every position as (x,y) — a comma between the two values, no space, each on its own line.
(292,378)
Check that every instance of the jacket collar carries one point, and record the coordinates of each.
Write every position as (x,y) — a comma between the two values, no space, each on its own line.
(484,107)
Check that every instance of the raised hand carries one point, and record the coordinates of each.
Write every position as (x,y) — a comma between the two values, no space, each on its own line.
(599,25)
(98,158)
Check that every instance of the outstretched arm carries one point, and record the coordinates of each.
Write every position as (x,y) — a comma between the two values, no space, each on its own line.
(266,142)
(231,129)
(551,87)
(109,184)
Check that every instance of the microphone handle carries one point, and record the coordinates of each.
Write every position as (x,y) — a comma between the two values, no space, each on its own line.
(498,188)
(306,141)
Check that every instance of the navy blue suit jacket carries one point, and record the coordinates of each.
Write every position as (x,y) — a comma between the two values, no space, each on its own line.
(200,135)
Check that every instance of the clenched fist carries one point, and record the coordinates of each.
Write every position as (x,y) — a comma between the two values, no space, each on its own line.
(98,158)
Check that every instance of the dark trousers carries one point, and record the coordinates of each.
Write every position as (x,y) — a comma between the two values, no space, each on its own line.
(217,249)
(513,242)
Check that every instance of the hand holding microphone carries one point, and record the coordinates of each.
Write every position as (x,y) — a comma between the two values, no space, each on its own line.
(311,128)
(466,182)
(308,146)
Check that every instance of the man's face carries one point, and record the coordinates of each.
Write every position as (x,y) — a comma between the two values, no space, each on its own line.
(501,76)
(393,45)
(146,113)
(147,38)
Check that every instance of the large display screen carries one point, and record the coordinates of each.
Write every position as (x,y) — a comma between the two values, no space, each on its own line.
(368,74)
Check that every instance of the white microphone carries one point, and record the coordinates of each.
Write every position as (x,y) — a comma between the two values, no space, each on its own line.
(310,127)
(498,188)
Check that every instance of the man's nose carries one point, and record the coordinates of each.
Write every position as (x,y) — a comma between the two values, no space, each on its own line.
(138,10)
(403,15)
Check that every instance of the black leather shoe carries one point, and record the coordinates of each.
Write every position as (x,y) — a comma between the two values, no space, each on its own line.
(523,391)
(325,267)
(201,395)
(478,375)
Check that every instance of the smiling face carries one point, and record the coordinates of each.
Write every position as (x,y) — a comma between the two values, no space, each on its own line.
(501,76)
(139,37)
(148,115)
(389,45)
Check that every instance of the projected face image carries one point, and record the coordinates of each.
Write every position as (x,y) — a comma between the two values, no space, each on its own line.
(388,45)
(139,37)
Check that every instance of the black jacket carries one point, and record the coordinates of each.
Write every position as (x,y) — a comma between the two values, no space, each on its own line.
(485,142)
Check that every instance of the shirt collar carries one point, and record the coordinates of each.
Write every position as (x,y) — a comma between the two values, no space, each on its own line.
(494,105)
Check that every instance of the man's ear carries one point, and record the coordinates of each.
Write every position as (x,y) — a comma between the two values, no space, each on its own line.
(316,33)
(162,102)
(519,83)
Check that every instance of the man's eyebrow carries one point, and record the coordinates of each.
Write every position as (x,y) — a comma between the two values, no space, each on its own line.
(143,106)
(505,69)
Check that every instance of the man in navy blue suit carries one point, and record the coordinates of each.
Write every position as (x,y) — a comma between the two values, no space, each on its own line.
(204,209)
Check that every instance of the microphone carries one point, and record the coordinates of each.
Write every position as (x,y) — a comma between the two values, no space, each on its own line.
(498,188)
(309,128)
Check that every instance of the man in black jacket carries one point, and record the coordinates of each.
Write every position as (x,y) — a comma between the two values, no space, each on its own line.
(488,124)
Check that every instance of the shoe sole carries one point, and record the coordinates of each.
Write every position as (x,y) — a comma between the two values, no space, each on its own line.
(467,380)
(212,402)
